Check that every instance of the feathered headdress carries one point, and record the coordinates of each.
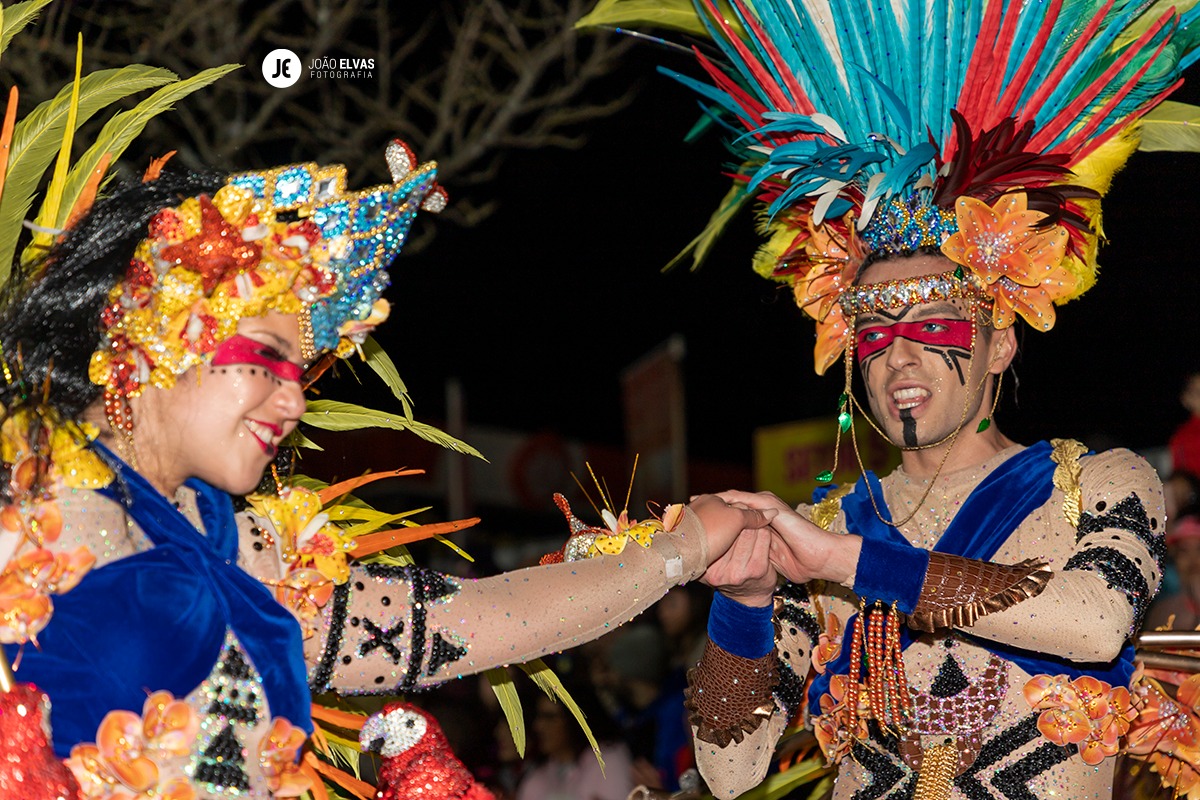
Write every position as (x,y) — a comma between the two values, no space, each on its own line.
(989,130)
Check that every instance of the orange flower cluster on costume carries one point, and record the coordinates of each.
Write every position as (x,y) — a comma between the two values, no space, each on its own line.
(1020,263)
(40,454)
(829,643)
(586,541)
(277,756)
(832,726)
(1166,732)
(205,264)
(124,762)
(1086,712)
(315,548)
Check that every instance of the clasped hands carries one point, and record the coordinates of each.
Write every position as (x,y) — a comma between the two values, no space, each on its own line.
(754,539)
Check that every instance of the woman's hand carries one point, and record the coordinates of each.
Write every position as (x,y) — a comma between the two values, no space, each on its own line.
(723,523)
(799,550)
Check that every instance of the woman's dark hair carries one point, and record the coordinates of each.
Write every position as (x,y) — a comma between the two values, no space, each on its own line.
(53,320)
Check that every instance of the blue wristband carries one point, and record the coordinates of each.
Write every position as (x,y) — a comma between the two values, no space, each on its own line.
(890,572)
(744,631)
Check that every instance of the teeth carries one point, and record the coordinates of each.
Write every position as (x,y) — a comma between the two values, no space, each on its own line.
(909,398)
(261,431)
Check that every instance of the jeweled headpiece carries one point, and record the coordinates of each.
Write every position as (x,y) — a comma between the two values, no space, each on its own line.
(987,130)
(289,239)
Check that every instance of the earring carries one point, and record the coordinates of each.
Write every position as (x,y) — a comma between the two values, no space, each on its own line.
(120,421)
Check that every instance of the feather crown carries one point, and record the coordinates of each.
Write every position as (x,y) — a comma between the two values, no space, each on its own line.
(987,128)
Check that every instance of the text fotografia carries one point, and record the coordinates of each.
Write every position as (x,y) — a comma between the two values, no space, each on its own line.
(325,67)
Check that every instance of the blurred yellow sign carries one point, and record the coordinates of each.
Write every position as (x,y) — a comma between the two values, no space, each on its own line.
(789,457)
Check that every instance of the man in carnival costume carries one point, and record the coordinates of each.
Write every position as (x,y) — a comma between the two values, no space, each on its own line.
(930,175)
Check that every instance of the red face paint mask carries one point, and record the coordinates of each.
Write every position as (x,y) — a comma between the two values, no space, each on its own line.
(240,349)
(957,333)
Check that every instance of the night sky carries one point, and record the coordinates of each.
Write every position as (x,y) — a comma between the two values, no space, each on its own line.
(538,309)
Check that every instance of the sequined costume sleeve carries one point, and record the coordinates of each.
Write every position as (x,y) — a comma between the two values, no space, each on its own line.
(392,629)
(1107,566)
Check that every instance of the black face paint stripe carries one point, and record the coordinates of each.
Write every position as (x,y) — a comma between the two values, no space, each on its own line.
(953,356)
(910,427)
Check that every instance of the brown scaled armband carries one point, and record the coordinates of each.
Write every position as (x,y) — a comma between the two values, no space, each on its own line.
(729,696)
(957,591)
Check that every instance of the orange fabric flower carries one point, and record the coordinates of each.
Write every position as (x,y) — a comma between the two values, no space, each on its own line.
(829,643)
(123,764)
(26,584)
(1020,264)
(832,727)
(277,756)
(1086,712)
(834,268)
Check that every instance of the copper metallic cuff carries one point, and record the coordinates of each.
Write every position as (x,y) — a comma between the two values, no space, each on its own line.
(957,591)
(729,696)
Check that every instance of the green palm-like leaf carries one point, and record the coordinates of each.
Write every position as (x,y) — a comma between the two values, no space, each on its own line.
(381,362)
(36,140)
(781,784)
(332,415)
(548,682)
(123,128)
(16,17)
(510,703)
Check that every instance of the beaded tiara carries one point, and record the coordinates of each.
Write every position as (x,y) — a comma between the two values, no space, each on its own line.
(986,130)
(289,239)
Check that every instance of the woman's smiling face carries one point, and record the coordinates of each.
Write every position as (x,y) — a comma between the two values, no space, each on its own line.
(222,423)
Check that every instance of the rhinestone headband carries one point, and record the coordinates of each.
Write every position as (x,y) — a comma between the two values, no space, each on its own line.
(910,291)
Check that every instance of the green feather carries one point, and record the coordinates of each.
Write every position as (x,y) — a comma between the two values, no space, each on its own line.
(549,683)
(16,17)
(1171,126)
(381,362)
(123,128)
(502,684)
(702,245)
(332,415)
(781,784)
(36,141)
(677,15)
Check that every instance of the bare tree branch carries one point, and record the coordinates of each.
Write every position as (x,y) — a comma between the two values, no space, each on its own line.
(464,85)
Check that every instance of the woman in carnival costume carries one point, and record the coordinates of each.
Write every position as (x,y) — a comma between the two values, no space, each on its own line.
(928,174)
(154,367)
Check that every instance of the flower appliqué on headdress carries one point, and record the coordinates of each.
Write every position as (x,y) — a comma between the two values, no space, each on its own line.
(1020,264)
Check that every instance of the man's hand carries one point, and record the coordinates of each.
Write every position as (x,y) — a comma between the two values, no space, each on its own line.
(800,550)
(745,573)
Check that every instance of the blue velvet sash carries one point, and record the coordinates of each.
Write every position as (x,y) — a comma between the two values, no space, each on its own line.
(158,619)
(988,517)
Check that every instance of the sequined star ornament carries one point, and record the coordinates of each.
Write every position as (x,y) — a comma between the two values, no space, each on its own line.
(418,763)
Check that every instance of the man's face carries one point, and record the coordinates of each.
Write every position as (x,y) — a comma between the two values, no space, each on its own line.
(922,383)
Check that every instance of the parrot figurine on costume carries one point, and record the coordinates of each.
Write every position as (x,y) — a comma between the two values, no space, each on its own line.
(417,759)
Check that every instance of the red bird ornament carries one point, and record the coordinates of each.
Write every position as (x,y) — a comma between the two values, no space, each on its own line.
(418,763)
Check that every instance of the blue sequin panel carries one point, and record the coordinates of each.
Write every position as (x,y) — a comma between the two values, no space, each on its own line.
(332,219)
(255,184)
(292,187)
(370,213)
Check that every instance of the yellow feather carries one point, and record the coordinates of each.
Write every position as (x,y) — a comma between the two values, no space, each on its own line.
(779,239)
(54,192)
